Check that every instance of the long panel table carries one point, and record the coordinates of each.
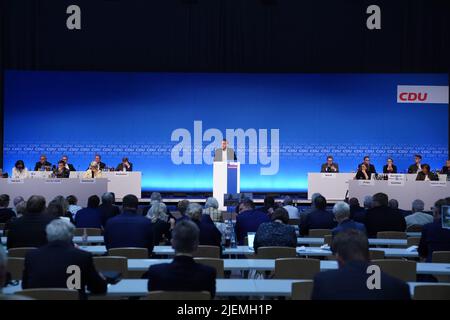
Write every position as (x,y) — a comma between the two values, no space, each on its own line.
(50,188)
(333,186)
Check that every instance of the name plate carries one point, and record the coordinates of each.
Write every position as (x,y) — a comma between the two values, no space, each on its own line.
(366,183)
(396,183)
(328,175)
(438,184)
(14,181)
(121,174)
(58,181)
(396,176)
(87,180)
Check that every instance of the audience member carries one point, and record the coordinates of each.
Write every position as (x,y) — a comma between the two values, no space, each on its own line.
(288,205)
(393,204)
(248,220)
(73,206)
(212,209)
(183,273)
(55,210)
(107,208)
(6,214)
(21,208)
(357,213)
(16,201)
(319,218)
(341,212)
(269,205)
(418,217)
(209,235)
(89,217)
(350,280)
(276,233)
(160,225)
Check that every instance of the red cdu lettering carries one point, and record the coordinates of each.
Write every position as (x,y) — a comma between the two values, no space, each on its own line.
(412,96)
(403,96)
(422,98)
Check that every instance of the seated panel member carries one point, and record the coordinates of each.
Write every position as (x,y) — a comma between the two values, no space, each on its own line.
(416,166)
(224,153)
(446,168)
(329,166)
(426,174)
(61,171)
(43,164)
(93,171)
(98,160)
(20,171)
(390,167)
(125,165)
(68,165)
(370,168)
(363,173)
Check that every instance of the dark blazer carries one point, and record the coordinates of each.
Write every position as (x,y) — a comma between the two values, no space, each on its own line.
(394,169)
(348,224)
(107,211)
(371,169)
(182,274)
(349,283)
(317,219)
(6,214)
(357,214)
(120,167)
(325,168)
(28,231)
(445,170)
(413,168)
(275,234)
(71,167)
(360,175)
(46,267)
(434,238)
(63,174)
(129,229)
(383,219)
(431,175)
(248,221)
(88,218)
(38,165)
(209,234)
(161,231)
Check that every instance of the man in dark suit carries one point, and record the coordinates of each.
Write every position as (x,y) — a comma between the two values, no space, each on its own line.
(434,237)
(100,164)
(61,171)
(351,281)
(370,168)
(446,168)
(382,218)
(329,166)
(416,166)
(319,218)
(209,234)
(248,220)
(426,174)
(357,213)
(68,165)
(183,273)
(129,229)
(393,204)
(29,230)
(89,217)
(107,208)
(125,165)
(47,267)
(6,214)
(341,211)
(43,164)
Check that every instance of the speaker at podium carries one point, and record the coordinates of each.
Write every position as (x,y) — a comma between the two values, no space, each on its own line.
(226,180)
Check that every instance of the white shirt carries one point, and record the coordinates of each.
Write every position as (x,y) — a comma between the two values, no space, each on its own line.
(16,174)
(293,212)
(224,155)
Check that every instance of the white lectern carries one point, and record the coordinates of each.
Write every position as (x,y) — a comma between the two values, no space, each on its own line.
(226,179)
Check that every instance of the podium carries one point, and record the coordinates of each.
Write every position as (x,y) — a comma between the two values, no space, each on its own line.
(226,179)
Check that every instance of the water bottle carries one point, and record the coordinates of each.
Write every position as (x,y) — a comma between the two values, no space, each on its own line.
(85,237)
(228,234)
(233,236)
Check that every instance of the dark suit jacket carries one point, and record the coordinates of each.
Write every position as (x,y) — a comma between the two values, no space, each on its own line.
(107,211)
(349,283)
(413,168)
(71,167)
(421,176)
(248,221)
(383,219)
(325,168)
(348,224)
(88,218)
(38,165)
(46,267)
(209,234)
(182,274)
(63,174)
(445,170)
(6,214)
(28,231)
(360,175)
(434,238)
(120,167)
(129,229)
(161,230)
(371,169)
(358,214)
(317,219)
(394,169)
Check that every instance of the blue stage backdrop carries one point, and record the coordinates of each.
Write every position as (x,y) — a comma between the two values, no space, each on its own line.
(168,124)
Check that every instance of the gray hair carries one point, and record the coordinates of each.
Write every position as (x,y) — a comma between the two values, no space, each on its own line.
(21,208)
(287,201)
(341,210)
(368,202)
(18,200)
(63,202)
(194,211)
(108,198)
(393,204)
(60,229)
(418,205)
(211,203)
(185,237)
(155,196)
(94,164)
(158,211)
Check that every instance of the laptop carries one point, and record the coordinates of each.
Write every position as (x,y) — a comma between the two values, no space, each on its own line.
(251,239)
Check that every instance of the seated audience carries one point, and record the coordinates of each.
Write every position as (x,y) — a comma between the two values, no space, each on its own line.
(20,171)
(276,233)
(93,171)
(43,164)
(55,210)
(181,207)
(341,212)
(21,209)
(46,267)
(288,205)
(16,201)
(248,220)
(368,201)
(382,218)
(6,214)
(349,282)
(65,205)
(209,235)
(29,230)
(434,237)
(125,165)
(89,217)
(357,213)
(160,225)
(61,171)
(363,173)
(73,207)
(319,218)
(393,204)
(107,208)
(426,174)
(418,217)
(269,205)
(390,167)
(183,273)
(129,229)
(212,210)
